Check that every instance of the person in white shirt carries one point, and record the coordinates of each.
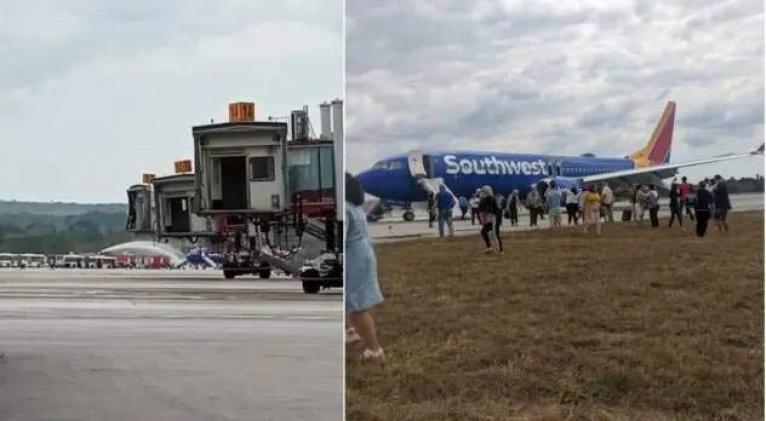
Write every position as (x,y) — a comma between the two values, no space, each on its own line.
(571,205)
(474,204)
(642,198)
(709,185)
(653,204)
(607,199)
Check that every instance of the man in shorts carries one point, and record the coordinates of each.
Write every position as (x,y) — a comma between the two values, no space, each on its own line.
(553,200)
(721,203)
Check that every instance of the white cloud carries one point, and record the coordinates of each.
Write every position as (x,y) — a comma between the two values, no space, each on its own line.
(92,94)
(559,77)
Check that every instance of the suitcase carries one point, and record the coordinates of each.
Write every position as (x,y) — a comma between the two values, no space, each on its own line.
(627,215)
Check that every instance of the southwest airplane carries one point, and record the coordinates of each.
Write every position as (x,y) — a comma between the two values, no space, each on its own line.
(407,178)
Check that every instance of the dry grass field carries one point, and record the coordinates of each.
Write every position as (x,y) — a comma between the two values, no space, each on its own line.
(639,324)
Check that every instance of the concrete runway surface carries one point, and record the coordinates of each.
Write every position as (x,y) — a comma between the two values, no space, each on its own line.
(166,345)
(392,228)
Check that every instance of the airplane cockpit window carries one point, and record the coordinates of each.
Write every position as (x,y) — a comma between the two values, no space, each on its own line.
(388,165)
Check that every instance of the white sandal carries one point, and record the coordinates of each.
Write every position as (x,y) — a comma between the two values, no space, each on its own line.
(370,355)
(352,336)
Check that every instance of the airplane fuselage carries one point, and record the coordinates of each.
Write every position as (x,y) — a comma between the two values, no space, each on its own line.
(408,178)
(464,172)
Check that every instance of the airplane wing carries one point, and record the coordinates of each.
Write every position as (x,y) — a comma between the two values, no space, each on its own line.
(642,175)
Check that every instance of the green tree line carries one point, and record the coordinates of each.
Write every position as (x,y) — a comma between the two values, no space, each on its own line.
(58,234)
(745,184)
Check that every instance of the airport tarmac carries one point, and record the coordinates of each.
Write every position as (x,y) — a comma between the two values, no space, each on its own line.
(392,228)
(166,345)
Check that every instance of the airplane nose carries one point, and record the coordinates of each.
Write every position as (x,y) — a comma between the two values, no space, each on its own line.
(367,180)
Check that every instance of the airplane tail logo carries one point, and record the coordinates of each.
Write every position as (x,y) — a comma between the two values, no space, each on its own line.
(657,150)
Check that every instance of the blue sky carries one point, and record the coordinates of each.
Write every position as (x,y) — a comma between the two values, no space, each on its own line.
(93,94)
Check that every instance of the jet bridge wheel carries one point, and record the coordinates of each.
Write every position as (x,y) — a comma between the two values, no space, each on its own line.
(409,216)
(311,281)
(264,270)
(229,274)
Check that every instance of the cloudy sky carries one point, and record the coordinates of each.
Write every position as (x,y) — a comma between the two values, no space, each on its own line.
(93,93)
(554,77)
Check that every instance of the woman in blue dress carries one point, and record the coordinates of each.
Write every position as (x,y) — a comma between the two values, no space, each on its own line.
(362,291)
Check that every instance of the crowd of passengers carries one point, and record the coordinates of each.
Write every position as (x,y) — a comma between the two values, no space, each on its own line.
(588,206)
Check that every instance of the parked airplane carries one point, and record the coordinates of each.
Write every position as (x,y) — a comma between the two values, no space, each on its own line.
(199,257)
(403,179)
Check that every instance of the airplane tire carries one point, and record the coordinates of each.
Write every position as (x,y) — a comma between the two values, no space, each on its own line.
(409,216)
(229,274)
(311,287)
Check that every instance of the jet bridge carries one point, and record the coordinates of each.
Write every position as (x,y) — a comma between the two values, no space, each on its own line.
(265,192)
(140,207)
(174,200)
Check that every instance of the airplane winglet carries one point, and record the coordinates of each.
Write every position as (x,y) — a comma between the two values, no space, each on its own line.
(758,151)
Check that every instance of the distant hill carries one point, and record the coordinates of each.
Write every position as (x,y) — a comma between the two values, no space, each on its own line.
(59,208)
(57,227)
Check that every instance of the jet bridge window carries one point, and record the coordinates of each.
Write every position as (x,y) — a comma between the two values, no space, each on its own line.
(310,169)
(262,168)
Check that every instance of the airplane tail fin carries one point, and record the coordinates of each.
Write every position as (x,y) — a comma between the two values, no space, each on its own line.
(657,150)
